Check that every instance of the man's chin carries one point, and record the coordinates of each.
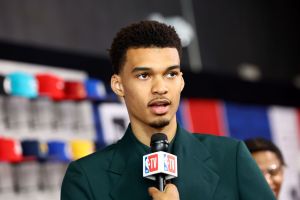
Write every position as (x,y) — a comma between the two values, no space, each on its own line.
(159,123)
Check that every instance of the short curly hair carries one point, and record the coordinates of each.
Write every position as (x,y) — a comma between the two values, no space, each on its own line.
(143,34)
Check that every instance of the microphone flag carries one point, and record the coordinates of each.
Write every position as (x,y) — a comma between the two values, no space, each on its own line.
(159,163)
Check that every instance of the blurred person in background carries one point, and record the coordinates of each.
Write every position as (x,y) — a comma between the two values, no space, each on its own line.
(269,159)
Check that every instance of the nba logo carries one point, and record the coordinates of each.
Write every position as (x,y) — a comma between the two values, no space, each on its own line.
(146,165)
(165,162)
(151,163)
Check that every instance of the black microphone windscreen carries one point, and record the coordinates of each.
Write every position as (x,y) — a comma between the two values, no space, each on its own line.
(159,142)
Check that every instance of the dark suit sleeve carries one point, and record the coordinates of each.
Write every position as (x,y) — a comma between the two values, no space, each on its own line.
(75,185)
(252,184)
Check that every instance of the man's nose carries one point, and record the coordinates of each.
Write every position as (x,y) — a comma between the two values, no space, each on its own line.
(269,179)
(159,86)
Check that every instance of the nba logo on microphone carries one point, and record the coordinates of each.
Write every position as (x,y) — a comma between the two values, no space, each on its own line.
(151,163)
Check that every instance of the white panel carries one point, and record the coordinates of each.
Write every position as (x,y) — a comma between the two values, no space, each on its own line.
(285,127)
(114,121)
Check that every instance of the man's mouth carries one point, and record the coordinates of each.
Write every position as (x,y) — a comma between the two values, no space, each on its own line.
(159,106)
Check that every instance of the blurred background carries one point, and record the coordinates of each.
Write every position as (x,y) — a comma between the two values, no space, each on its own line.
(240,63)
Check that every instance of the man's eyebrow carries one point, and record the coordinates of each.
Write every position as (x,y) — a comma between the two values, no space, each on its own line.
(136,69)
(173,67)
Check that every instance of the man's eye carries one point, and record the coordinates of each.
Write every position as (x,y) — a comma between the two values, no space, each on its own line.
(172,74)
(142,76)
(275,171)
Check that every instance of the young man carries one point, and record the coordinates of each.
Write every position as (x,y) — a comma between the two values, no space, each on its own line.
(146,61)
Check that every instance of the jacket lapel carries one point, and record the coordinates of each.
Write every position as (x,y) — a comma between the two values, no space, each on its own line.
(197,176)
(126,171)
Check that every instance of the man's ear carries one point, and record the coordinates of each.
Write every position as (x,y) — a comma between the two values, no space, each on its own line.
(182,82)
(116,85)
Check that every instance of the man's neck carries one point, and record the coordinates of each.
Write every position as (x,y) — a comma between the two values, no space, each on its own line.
(144,132)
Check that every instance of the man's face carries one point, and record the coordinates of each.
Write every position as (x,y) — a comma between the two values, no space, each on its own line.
(272,169)
(150,82)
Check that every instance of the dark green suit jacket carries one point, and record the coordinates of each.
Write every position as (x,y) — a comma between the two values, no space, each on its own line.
(209,167)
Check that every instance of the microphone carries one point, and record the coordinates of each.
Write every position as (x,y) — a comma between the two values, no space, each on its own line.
(159,142)
(159,165)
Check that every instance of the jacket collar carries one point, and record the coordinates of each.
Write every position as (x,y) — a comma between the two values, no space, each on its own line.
(126,169)
(125,149)
(197,176)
